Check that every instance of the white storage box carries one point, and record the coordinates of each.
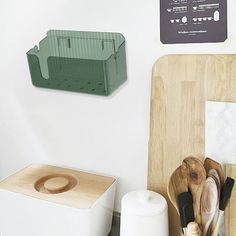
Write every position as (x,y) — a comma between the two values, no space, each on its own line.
(51,201)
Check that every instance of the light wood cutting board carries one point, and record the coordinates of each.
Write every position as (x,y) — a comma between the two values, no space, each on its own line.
(180,86)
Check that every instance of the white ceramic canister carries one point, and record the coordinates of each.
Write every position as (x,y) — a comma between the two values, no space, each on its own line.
(144,213)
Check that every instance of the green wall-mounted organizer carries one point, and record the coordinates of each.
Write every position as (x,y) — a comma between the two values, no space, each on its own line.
(88,62)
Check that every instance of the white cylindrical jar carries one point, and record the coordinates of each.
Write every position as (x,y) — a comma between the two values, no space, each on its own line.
(144,213)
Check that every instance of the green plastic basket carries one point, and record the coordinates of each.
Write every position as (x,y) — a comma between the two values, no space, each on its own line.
(88,62)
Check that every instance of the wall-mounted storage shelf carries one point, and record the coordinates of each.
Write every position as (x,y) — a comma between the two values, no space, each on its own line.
(88,62)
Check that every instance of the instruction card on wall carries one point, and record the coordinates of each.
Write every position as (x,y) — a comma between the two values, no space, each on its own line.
(193,21)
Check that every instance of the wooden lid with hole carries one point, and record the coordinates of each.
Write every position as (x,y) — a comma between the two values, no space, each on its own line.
(59,185)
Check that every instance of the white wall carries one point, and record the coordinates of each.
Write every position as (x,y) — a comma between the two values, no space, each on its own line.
(107,135)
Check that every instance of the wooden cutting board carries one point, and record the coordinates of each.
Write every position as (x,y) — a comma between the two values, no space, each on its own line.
(180,86)
(230,213)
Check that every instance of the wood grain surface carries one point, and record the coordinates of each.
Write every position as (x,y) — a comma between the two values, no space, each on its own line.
(230,212)
(84,188)
(180,86)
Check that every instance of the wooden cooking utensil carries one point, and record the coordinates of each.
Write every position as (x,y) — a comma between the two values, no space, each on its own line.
(196,177)
(211,164)
(209,204)
(177,184)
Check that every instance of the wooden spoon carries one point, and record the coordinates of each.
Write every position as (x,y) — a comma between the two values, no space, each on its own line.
(177,184)
(196,177)
(210,164)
